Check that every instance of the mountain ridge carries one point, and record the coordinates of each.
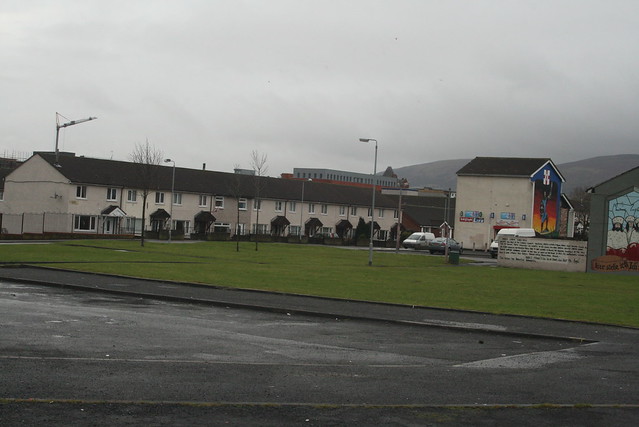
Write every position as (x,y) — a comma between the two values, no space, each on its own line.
(581,173)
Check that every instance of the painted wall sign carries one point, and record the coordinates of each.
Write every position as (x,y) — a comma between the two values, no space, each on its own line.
(471,214)
(546,203)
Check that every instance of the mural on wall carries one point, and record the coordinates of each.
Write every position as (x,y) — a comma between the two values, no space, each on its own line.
(547,202)
(622,241)
(623,230)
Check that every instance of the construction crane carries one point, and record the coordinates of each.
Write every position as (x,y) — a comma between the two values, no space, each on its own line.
(59,126)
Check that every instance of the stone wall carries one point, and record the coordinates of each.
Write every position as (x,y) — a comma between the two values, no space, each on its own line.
(542,254)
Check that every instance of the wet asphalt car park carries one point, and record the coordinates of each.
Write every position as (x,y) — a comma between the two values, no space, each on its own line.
(103,350)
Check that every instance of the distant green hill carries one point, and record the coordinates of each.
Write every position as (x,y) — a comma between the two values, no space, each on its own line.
(583,173)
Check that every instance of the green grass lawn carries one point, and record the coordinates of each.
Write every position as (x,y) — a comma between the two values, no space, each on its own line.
(344,273)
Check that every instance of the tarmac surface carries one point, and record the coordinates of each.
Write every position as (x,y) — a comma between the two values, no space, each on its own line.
(600,363)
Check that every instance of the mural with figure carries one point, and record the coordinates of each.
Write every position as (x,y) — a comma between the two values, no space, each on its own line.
(623,230)
(547,202)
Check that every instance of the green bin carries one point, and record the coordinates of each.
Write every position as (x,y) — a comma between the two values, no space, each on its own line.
(453,257)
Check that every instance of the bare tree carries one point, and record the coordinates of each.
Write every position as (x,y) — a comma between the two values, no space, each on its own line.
(258,163)
(580,199)
(147,158)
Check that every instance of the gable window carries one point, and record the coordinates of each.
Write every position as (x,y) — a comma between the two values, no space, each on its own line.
(219,202)
(177,198)
(203,200)
(81,192)
(84,223)
(278,206)
(112,194)
(159,198)
(131,196)
(241,204)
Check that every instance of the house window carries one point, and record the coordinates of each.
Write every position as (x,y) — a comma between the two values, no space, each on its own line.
(327,230)
(257,205)
(342,211)
(292,207)
(353,210)
(324,209)
(241,204)
(159,198)
(131,196)
(395,214)
(370,212)
(222,227)
(84,223)
(278,206)
(81,192)
(112,194)
(260,228)
(295,230)
(382,235)
(177,198)
(380,213)
(311,208)
(219,202)
(203,200)
(1,195)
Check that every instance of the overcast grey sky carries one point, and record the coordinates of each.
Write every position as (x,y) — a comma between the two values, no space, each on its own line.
(301,81)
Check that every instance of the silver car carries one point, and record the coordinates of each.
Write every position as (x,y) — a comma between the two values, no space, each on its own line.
(438,245)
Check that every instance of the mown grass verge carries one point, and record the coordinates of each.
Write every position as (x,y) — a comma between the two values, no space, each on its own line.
(344,273)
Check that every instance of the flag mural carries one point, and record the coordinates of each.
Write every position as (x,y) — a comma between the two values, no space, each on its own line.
(547,202)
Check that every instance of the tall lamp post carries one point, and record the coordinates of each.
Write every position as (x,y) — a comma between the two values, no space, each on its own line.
(403,183)
(370,244)
(302,211)
(172,196)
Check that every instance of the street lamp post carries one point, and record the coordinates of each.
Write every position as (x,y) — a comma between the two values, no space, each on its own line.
(172,196)
(370,244)
(402,183)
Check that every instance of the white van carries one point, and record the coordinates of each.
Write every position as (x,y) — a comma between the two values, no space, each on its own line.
(418,240)
(517,232)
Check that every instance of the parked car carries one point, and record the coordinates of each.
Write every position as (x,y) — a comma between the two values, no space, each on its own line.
(418,240)
(438,245)
(517,232)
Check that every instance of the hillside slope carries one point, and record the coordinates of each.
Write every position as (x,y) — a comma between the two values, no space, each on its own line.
(583,173)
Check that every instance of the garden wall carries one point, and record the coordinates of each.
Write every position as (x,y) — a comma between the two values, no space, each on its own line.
(542,254)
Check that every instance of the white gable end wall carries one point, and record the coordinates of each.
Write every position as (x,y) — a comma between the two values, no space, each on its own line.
(497,202)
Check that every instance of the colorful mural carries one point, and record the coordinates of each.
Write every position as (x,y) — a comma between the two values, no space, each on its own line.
(623,230)
(547,202)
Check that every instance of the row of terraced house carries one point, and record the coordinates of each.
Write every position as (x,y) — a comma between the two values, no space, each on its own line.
(69,194)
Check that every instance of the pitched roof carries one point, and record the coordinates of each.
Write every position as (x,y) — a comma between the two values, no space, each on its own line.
(86,170)
(503,166)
